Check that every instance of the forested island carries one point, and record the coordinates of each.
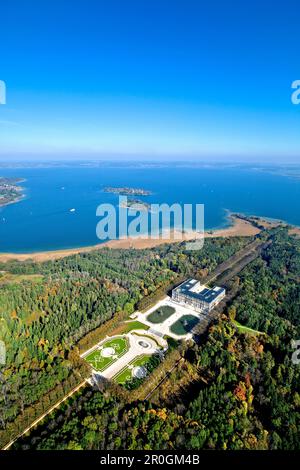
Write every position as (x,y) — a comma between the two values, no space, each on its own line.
(125,191)
(136,204)
(10,191)
(235,388)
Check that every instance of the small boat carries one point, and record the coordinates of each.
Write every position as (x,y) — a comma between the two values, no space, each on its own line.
(72,210)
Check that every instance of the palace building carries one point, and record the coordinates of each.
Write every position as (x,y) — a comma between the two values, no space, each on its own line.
(197,296)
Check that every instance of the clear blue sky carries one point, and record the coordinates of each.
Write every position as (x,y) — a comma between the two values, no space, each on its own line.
(150,79)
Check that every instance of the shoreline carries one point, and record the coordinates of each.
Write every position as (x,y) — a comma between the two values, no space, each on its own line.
(238,228)
(20,198)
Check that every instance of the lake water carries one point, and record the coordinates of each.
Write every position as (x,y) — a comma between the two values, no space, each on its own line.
(43,221)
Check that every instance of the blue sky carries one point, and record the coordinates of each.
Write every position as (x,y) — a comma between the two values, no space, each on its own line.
(150,79)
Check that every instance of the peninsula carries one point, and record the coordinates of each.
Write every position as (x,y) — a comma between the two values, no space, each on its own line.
(10,191)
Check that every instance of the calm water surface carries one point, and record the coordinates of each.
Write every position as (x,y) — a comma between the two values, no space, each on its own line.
(43,221)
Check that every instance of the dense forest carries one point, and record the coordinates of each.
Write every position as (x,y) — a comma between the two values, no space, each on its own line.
(47,308)
(237,388)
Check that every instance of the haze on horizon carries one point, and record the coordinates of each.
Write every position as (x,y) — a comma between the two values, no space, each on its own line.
(150,80)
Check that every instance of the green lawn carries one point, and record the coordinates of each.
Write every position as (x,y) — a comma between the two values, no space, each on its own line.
(161,314)
(123,376)
(134,325)
(184,325)
(99,362)
(126,374)
(246,329)
(140,361)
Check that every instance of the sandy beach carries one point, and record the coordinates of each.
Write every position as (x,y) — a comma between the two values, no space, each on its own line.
(295,231)
(239,227)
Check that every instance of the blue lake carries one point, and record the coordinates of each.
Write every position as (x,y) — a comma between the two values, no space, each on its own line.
(43,221)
